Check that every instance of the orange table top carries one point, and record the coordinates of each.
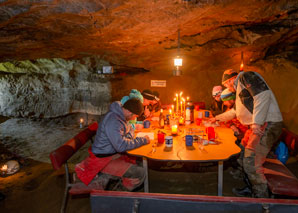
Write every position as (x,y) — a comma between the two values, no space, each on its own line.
(224,148)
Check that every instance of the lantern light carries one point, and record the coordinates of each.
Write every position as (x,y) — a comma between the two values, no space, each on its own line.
(178,62)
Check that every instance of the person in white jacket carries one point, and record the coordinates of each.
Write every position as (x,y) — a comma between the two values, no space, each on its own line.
(256,107)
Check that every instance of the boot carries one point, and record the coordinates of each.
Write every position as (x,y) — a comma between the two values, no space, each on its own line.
(245,191)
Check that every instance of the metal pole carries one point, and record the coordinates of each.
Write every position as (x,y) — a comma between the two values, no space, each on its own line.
(146,182)
(220,178)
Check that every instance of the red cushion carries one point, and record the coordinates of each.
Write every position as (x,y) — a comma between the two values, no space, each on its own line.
(280,180)
(291,141)
(64,152)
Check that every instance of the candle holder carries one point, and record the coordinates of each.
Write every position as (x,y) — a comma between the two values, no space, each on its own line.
(81,123)
(174,130)
(3,170)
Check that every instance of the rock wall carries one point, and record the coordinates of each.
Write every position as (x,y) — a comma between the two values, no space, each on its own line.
(51,88)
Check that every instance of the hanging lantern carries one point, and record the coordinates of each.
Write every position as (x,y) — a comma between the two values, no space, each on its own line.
(178,62)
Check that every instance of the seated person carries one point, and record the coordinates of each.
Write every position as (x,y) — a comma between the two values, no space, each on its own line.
(134,93)
(114,135)
(217,106)
(151,104)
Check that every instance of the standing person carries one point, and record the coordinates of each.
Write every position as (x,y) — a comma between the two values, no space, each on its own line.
(113,138)
(151,104)
(257,107)
(217,106)
(228,99)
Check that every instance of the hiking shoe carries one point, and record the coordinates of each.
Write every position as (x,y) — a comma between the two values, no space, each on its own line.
(244,192)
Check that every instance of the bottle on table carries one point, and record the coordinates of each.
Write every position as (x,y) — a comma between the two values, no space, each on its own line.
(161,120)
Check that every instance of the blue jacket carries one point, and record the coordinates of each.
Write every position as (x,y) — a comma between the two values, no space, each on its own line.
(114,134)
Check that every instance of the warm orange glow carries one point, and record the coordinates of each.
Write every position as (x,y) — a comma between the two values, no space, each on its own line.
(174,129)
(241,66)
(81,120)
(187,98)
(170,111)
(4,168)
(161,110)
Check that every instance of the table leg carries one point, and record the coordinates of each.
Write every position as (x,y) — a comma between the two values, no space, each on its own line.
(146,182)
(220,178)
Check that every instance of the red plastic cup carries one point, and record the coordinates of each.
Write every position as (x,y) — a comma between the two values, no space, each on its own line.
(211,133)
(160,138)
(198,121)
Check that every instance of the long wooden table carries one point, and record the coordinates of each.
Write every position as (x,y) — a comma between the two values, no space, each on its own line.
(224,148)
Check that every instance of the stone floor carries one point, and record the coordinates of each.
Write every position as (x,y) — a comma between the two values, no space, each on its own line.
(38,188)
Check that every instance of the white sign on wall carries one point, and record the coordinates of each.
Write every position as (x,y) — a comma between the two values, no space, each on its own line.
(158,83)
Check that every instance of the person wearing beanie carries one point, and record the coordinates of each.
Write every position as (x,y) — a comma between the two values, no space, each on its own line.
(151,104)
(115,136)
(134,93)
(255,106)
(217,106)
(228,98)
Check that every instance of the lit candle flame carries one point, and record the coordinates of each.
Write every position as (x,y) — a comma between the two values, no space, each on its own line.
(241,66)
(187,98)
(181,94)
(81,120)
(170,111)
(4,168)
(161,110)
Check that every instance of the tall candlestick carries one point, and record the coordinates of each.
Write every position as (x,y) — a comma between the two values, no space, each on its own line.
(177,105)
(181,107)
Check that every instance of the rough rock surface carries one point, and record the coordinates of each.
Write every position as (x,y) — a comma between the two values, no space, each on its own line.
(142,34)
(51,88)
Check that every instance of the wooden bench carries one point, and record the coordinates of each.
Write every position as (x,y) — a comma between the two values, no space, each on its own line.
(280,180)
(60,156)
(139,202)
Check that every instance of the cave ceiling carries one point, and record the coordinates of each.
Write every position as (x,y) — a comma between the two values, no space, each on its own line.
(143,33)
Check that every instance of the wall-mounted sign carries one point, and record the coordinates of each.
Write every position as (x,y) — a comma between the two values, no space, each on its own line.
(158,83)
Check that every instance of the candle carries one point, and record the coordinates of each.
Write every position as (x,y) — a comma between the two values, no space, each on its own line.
(171,112)
(174,129)
(81,122)
(181,107)
(4,169)
(241,66)
(183,104)
(177,105)
(187,98)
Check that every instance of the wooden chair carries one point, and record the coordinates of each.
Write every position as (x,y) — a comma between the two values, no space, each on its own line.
(60,156)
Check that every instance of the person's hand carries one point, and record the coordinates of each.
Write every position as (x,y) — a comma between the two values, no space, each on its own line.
(235,130)
(257,129)
(212,120)
(147,139)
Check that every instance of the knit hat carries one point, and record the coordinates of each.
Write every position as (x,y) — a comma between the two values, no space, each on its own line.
(150,95)
(134,93)
(227,95)
(216,90)
(227,75)
(134,105)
